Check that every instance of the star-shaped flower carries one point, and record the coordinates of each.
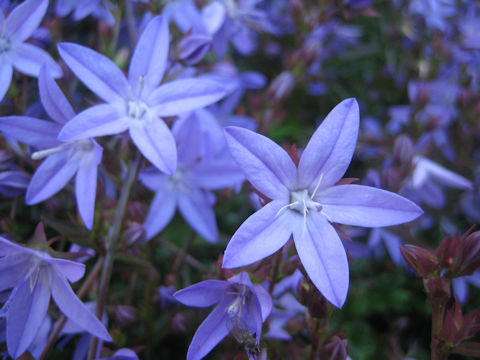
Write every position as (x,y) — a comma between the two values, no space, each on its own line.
(242,308)
(189,188)
(136,103)
(306,200)
(14,52)
(33,277)
(62,159)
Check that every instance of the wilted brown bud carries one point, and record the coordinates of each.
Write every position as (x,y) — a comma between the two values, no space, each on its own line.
(424,263)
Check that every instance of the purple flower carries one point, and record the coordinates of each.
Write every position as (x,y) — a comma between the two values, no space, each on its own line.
(305,200)
(62,159)
(189,188)
(34,276)
(13,183)
(100,9)
(423,185)
(136,103)
(14,52)
(242,308)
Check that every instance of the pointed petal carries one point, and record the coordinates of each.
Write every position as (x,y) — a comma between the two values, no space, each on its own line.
(210,332)
(264,299)
(72,270)
(71,306)
(37,133)
(195,207)
(323,257)
(331,147)
(51,176)
(180,96)
(99,73)
(214,175)
(150,56)
(86,185)
(252,316)
(54,102)
(25,19)
(29,59)
(26,313)
(213,16)
(205,293)
(6,70)
(153,179)
(260,235)
(8,247)
(265,164)
(98,120)
(161,211)
(441,174)
(16,265)
(366,206)
(155,141)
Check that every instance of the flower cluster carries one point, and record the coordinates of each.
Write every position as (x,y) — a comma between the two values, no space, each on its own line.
(114,115)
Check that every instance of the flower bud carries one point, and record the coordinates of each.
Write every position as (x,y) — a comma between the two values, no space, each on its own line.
(336,349)
(126,315)
(192,48)
(471,254)
(281,86)
(424,263)
(403,149)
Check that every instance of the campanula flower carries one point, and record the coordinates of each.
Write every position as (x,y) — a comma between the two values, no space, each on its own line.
(62,159)
(14,52)
(189,188)
(306,200)
(242,307)
(33,277)
(136,104)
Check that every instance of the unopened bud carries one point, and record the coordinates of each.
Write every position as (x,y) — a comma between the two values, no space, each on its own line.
(471,254)
(135,234)
(403,149)
(336,349)
(281,86)
(424,263)
(126,315)
(192,48)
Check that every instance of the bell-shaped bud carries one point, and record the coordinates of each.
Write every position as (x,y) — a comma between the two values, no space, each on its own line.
(403,149)
(192,48)
(281,86)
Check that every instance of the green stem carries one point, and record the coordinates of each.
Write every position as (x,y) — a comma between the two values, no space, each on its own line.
(111,245)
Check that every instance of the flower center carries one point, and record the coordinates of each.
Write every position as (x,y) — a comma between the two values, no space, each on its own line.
(4,45)
(302,202)
(136,109)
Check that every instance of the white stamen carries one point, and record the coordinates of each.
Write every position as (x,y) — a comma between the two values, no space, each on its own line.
(141,82)
(316,187)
